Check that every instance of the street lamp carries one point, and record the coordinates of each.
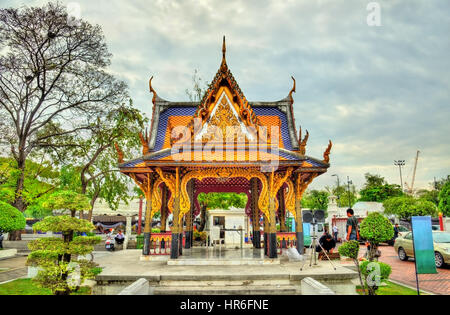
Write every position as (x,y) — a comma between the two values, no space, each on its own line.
(338,196)
(400,163)
(348,190)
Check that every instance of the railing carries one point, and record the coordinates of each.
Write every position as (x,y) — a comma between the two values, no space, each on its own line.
(286,240)
(160,243)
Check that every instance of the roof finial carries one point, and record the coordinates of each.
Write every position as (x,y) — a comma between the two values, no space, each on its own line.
(152,90)
(224,48)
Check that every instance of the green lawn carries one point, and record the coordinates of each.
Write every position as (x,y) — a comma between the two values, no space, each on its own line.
(392,289)
(27,287)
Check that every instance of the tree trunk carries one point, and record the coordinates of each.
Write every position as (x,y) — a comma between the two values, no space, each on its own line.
(19,203)
(359,274)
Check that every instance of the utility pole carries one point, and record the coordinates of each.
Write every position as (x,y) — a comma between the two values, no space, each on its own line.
(338,194)
(400,163)
(414,173)
(348,189)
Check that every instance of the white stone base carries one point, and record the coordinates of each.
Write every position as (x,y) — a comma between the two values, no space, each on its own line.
(7,253)
(33,271)
(309,286)
(154,258)
(222,262)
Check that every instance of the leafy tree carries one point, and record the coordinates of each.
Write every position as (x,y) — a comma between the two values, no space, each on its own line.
(350,249)
(99,175)
(430,195)
(198,88)
(11,219)
(407,206)
(377,189)
(40,179)
(345,197)
(59,271)
(444,199)
(315,199)
(439,184)
(223,200)
(376,228)
(53,80)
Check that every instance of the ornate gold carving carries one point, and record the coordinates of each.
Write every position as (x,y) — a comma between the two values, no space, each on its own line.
(277,180)
(302,143)
(144,141)
(290,198)
(156,197)
(301,185)
(326,154)
(119,153)
(223,125)
(169,180)
(263,201)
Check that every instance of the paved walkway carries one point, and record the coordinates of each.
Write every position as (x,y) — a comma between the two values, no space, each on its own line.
(404,272)
(12,268)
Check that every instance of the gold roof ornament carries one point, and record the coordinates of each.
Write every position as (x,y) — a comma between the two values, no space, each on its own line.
(152,90)
(302,143)
(292,91)
(144,141)
(326,154)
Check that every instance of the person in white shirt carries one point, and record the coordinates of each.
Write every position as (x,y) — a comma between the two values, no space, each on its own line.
(335,232)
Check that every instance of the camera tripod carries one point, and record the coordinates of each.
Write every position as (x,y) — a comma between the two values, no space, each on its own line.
(312,246)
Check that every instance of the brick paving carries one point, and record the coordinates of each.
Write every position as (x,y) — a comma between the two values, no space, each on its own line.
(404,272)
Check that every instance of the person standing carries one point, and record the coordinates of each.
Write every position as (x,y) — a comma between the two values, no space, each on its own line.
(335,232)
(1,240)
(395,231)
(352,226)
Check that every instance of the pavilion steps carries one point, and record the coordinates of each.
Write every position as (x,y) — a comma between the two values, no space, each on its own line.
(227,290)
(256,284)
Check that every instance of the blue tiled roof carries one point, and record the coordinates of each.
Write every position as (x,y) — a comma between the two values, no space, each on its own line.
(189,111)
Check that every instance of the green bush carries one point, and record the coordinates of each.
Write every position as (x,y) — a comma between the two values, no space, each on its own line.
(444,200)
(349,249)
(406,206)
(385,269)
(11,219)
(376,228)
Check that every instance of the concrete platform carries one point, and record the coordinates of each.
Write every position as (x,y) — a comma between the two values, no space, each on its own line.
(124,267)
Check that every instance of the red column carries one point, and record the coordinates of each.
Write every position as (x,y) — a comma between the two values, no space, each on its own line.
(140,217)
(441,221)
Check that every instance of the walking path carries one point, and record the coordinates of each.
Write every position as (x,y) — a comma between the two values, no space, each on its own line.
(12,268)
(404,272)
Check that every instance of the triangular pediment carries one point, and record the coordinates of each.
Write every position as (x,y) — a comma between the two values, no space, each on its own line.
(224,121)
(224,98)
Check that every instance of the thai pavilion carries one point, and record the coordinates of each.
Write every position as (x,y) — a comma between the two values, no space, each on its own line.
(223,143)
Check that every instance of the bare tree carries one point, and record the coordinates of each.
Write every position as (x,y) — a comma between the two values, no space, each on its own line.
(53,80)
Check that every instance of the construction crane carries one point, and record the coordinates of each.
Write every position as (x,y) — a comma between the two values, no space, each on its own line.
(410,189)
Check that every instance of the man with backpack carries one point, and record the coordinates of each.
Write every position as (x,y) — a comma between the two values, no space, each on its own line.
(352,226)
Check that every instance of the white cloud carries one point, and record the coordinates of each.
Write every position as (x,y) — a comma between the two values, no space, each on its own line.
(380,93)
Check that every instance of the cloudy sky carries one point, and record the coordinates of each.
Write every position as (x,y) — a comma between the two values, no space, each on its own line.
(380,93)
